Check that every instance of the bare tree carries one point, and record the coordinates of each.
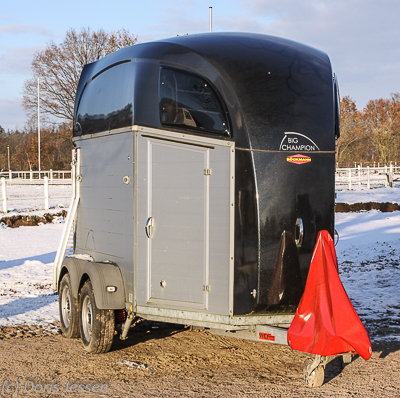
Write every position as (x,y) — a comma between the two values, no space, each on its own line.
(351,132)
(370,135)
(59,67)
(382,122)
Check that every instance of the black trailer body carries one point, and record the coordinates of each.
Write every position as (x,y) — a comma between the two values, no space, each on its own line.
(258,116)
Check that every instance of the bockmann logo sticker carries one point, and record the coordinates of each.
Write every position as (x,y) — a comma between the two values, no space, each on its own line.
(298,159)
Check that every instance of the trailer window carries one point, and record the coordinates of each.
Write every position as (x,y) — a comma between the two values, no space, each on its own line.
(189,101)
(106,102)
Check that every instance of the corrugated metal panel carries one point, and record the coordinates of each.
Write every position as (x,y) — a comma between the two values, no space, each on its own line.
(190,251)
(177,189)
(105,215)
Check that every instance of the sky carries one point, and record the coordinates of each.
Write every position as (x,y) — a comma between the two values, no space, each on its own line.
(361,37)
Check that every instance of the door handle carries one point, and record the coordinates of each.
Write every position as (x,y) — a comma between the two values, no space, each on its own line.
(149,227)
(299,234)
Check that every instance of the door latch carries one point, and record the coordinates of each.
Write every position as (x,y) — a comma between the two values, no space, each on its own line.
(149,227)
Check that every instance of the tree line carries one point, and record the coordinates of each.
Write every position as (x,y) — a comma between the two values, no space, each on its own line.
(19,148)
(370,135)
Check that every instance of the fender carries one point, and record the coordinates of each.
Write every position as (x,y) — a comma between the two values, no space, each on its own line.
(74,267)
(103,275)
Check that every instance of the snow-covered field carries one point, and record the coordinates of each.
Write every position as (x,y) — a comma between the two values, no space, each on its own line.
(358,195)
(369,260)
(368,254)
(26,274)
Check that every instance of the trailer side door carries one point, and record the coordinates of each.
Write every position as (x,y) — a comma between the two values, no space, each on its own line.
(185,187)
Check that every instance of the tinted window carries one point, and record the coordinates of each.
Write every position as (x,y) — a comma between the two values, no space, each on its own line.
(189,101)
(106,102)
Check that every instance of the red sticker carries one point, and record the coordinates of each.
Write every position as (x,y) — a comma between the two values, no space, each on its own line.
(266,336)
(298,159)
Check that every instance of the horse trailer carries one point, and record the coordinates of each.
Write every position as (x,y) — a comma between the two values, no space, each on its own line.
(203,171)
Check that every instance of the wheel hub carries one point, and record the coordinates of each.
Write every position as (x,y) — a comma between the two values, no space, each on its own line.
(66,306)
(87,318)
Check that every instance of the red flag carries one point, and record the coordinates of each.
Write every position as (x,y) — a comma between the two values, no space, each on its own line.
(326,322)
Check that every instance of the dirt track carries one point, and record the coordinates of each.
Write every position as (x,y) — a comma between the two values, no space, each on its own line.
(177,362)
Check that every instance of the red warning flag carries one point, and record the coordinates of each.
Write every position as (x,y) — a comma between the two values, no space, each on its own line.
(326,322)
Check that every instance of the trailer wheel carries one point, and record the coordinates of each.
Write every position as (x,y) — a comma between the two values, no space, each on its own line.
(68,308)
(96,326)
(316,377)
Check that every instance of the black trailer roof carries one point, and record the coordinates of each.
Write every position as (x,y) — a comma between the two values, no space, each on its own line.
(268,86)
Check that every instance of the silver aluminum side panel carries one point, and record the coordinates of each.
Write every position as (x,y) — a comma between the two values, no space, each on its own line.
(178,202)
(186,185)
(105,213)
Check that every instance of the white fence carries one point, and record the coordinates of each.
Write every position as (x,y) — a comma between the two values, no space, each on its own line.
(18,191)
(367,177)
(36,175)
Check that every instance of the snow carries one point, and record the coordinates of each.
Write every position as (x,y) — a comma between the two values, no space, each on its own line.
(368,255)
(363,195)
(26,274)
(27,255)
(369,261)
(366,228)
(85,257)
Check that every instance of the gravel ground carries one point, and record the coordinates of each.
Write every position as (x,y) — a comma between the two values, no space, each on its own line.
(161,360)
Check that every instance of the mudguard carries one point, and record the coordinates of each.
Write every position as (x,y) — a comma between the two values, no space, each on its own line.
(74,267)
(103,275)
(326,322)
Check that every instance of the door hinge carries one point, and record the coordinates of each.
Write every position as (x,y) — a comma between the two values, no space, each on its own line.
(207,172)
(206,288)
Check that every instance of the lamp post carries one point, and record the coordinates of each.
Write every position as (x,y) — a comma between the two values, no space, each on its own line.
(38,112)
(8,152)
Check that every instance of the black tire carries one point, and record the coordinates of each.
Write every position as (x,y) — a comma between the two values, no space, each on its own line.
(68,308)
(96,326)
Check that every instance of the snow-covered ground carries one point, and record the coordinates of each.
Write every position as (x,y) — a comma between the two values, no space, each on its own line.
(362,195)
(26,274)
(368,254)
(369,260)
